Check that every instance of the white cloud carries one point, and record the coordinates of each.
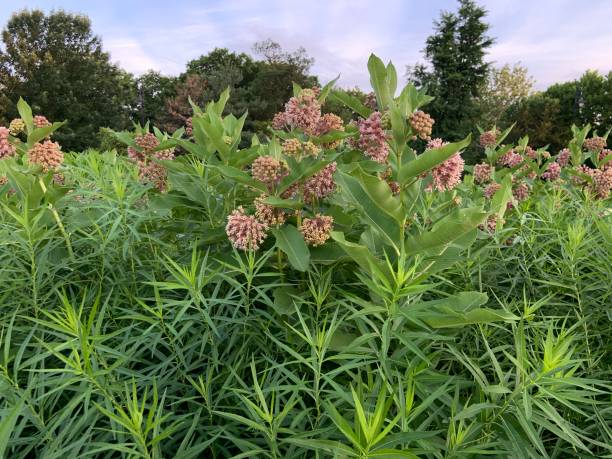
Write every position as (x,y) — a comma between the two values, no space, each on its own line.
(130,55)
(556,39)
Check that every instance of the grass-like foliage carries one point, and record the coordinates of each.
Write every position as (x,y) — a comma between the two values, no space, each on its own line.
(333,290)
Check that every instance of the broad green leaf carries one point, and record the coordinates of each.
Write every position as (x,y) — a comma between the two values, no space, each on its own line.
(456,311)
(241,177)
(283,203)
(379,208)
(326,90)
(502,197)
(362,256)
(351,102)
(445,231)
(292,243)
(297,89)
(25,112)
(429,159)
(40,133)
(125,137)
(328,254)
(448,317)
(379,81)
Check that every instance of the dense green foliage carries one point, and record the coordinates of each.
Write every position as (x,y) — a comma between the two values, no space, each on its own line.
(57,64)
(130,327)
(456,54)
(547,116)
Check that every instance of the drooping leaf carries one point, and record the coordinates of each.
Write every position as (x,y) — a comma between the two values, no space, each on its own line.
(379,208)
(292,243)
(362,256)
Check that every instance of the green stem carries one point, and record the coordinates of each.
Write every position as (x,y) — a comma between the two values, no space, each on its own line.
(58,220)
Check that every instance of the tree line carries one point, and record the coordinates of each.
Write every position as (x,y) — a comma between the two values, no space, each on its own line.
(58,65)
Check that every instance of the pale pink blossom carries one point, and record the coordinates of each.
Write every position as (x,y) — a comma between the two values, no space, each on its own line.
(245,232)
(316,230)
(373,139)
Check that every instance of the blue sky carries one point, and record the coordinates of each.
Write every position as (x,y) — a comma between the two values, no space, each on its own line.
(556,39)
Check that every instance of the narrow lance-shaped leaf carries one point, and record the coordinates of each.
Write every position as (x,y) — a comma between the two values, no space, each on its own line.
(326,90)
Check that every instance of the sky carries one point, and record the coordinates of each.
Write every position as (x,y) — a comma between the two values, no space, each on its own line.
(557,40)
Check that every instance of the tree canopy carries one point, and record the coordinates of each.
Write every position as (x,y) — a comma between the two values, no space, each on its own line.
(457,68)
(56,63)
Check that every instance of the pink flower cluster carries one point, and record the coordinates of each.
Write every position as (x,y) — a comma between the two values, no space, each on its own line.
(155,173)
(563,158)
(316,230)
(491,224)
(370,100)
(510,159)
(373,139)
(6,148)
(421,124)
(150,171)
(267,214)
(41,122)
(268,170)
(327,123)
(491,189)
(595,144)
(531,153)
(604,154)
(521,191)
(47,154)
(447,175)
(244,231)
(321,184)
(301,112)
(482,173)
(553,172)
(602,183)
(488,138)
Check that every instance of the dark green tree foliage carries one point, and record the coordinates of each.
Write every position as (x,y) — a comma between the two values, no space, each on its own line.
(153,90)
(56,64)
(457,69)
(536,117)
(260,87)
(547,117)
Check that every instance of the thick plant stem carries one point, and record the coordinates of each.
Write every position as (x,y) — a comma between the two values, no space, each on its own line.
(58,220)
